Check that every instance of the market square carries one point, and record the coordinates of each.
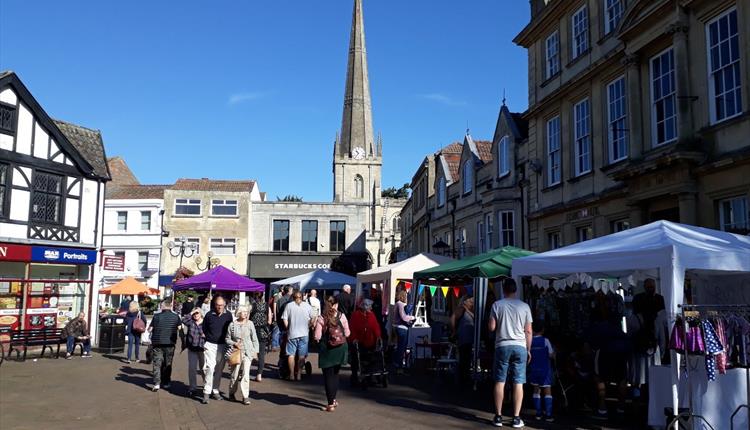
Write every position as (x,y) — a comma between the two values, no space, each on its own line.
(176,253)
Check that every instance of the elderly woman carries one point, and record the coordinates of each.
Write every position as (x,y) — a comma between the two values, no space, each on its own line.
(134,338)
(365,331)
(195,340)
(241,334)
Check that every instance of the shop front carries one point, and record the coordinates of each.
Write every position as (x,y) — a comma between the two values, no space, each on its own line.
(43,286)
(270,267)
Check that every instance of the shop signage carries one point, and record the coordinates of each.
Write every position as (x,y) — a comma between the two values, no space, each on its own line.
(282,266)
(301,266)
(115,263)
(153,262)
(10,252)
(63,255)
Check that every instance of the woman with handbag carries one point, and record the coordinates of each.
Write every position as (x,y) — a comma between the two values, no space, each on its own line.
(135,325)
(260,318)
(241,337)
(331,331)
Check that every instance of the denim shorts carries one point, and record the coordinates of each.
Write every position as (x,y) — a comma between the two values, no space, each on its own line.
(510,358)
(297,346)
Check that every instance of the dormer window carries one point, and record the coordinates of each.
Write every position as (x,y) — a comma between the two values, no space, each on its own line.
(468,176)
(441,192)
(503,156)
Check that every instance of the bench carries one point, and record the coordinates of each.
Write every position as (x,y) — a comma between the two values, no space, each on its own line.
(46,338)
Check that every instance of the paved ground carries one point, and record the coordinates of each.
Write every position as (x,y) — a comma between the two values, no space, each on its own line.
(104,391)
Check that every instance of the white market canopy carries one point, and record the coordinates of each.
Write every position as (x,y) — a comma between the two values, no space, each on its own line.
(671,248)
(390,274)
(321,279)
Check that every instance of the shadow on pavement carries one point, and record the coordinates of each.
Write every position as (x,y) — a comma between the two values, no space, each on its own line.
(135,371)
(141,382)
(285,400)
(438,410)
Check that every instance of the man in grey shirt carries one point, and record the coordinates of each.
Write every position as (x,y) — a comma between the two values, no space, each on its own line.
(511,320)
(296,318)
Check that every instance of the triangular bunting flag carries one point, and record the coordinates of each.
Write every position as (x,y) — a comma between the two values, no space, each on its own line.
(407,285)
(457,291)
(445,291)
(420,289)
(432,290)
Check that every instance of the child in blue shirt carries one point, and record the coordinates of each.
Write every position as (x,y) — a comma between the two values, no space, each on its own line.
(540,371)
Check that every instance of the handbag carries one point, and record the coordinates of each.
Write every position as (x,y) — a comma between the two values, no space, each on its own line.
(235,357)
(138,325)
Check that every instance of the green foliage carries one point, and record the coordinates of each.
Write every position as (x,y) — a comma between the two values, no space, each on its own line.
(393,193)
(289,198)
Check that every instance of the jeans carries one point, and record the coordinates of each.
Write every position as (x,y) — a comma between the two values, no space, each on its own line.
(403,341)
(134,339)
(331,380)
(241,378)
(195,362)
(215,360)
(275,337)
(163,355)
(262,356)
(72,343)
(510,359)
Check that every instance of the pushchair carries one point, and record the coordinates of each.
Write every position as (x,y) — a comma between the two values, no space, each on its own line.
(369,365)
(284,371)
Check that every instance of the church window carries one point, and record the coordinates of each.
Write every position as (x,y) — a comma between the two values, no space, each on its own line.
(359,187)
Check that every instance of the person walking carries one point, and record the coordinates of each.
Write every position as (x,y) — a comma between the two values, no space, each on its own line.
(296,318)
(402,321)
(241,334)
(314,301)
(346,300)
(163,331)
(261,320)
(331,331)
(77,330)
(511,320)
(134,336)
(365,331)
(463,328)
(195,340)
(215,326)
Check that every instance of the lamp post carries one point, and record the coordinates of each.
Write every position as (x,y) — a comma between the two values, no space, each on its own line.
(181,248)
(210,261)
(162,234)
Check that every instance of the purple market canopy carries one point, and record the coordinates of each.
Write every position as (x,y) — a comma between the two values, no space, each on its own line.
(219,279)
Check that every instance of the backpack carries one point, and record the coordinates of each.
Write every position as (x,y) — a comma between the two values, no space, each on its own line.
(335,333)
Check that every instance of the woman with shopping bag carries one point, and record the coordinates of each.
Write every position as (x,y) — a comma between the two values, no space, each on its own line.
(243,341)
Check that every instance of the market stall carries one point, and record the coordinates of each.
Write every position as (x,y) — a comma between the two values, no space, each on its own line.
(130,287)
(671,253)
(479,269)
(321,279)
(223,280)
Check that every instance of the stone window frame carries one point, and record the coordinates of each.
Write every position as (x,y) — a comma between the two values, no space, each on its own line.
(743,210)
(281,247)
(579,31)
(614,10)
(671,97)
(617,128)
(503,156)
(506,228)
(582,137)
(312,246)
(733,65)
(553,166)
(552,59)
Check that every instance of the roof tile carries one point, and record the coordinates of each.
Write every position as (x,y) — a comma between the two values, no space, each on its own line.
(121,192)
(89,144)
(206,184)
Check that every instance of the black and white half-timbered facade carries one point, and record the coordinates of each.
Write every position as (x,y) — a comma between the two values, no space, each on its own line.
(52,181)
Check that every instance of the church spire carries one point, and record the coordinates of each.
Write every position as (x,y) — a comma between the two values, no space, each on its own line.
(356,124)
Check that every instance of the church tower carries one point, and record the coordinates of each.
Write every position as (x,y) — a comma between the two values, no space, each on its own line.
(357,157)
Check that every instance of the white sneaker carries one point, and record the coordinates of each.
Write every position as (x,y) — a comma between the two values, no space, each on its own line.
(155,388)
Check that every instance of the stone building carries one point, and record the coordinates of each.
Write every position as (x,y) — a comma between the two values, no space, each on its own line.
(360,227)
(213,216)
(637,112)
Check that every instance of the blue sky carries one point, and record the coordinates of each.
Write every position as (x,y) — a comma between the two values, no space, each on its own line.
(254,89)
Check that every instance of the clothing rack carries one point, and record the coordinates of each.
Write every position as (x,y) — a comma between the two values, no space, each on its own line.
(718,308)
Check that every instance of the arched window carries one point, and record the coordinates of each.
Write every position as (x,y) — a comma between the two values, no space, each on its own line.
(468,176)
(359,187)
(441,192)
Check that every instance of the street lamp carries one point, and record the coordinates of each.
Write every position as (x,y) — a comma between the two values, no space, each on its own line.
(181,248)
(210,261)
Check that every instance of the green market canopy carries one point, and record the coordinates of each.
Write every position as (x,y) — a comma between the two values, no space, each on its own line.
(489,265)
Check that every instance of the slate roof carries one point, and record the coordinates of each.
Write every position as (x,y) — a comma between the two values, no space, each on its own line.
(89,144)
(206,184)
(121,192)
(121,173)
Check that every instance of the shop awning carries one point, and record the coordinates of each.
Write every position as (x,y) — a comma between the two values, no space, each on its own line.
(219,279)
(129,286)
(488,265)
(322,279)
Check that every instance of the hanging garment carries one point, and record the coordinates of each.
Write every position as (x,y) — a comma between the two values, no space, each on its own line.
(712,347)
(721,358)
(677,338)
(694,339)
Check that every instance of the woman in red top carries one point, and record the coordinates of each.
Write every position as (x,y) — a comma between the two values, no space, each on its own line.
(365,331)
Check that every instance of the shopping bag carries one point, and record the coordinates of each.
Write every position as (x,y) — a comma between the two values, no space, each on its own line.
(235,357)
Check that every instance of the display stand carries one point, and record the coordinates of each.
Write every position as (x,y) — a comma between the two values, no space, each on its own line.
(718,309)
(420,313)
